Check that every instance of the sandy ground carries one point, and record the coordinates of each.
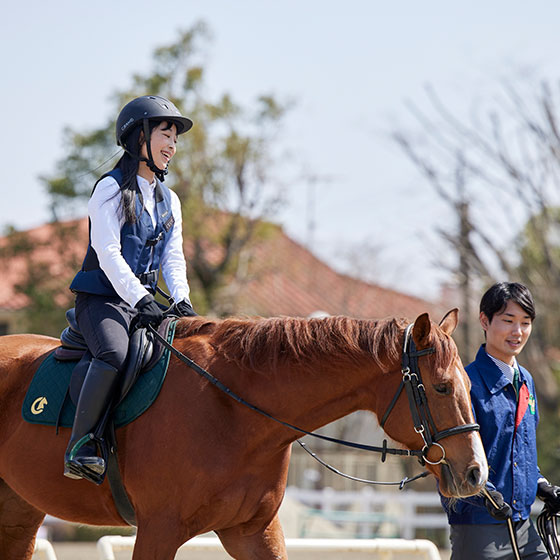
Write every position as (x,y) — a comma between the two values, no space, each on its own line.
(88,551)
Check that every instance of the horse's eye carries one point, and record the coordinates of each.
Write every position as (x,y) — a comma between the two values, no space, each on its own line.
(443,388)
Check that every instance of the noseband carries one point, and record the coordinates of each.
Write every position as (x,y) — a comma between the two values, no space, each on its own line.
(418,402)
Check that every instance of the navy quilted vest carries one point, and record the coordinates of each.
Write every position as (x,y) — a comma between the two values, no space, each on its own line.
(142,246)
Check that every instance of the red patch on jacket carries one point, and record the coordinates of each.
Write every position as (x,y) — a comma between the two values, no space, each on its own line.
(522,404)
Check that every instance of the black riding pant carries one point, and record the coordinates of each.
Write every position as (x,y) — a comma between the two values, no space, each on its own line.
(105,325)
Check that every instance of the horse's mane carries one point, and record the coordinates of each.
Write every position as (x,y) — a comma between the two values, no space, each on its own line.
(263,344)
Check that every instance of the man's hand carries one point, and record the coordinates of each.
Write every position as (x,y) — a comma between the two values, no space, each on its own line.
(496,506)
(549,494)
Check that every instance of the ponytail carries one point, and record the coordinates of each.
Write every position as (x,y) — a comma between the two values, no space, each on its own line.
(128,165)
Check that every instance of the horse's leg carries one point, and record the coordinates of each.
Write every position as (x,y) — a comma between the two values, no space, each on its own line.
(265,545)
(158,538)
(19,522)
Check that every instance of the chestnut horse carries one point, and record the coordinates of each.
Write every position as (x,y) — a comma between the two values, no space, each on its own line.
(198,461)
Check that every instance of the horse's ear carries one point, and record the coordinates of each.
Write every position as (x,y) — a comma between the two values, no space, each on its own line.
(450,320)
(421,331)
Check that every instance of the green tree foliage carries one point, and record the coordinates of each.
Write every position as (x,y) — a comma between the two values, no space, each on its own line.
(221,171)
(45,279)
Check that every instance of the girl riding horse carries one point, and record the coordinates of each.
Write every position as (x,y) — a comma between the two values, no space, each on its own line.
(135,228)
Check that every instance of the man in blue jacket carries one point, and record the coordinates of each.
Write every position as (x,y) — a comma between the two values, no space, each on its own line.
(505,405)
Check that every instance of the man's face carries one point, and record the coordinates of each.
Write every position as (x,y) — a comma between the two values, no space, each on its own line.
(508,332)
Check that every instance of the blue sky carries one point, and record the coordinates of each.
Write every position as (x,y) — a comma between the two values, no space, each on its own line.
(349,66)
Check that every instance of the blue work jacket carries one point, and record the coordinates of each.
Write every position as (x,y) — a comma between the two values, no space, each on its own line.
(511,451)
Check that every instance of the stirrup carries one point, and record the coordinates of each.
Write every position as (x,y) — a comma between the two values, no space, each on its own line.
(75,469)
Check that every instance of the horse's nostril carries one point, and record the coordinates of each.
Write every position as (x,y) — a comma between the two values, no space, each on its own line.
(474,476)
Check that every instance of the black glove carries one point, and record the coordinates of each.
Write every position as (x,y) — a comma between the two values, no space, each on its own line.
(184,309)
(149,312)
(503,511)
(549,494)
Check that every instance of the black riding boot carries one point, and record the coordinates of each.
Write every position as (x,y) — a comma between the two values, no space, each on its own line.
(80,459)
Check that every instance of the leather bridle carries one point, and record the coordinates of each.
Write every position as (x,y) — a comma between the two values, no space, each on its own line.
(418,402)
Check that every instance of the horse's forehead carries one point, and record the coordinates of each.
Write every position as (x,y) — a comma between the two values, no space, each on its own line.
(446,362)
(451,372)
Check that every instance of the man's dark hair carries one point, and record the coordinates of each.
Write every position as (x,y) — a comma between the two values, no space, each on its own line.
(494,301)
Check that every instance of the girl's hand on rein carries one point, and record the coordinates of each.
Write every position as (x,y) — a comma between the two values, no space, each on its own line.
(184,309)
(149,312)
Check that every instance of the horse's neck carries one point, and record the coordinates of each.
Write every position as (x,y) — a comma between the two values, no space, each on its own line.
(305,374)
(315,394)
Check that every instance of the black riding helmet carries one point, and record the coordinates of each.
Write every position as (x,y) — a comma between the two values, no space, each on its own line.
(139,112)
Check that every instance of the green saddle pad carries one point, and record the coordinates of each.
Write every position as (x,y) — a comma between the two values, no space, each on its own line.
(46,403)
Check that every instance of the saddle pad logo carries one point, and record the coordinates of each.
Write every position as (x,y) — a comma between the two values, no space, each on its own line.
(38,405)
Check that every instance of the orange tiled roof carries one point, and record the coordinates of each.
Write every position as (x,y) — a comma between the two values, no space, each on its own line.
(282,278)
(286,279)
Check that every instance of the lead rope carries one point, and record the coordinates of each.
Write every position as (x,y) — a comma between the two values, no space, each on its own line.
(509,522)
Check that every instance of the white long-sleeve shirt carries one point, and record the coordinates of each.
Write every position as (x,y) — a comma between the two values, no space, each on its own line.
(106,224)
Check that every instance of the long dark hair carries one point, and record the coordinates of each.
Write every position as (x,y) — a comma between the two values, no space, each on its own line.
(128,164)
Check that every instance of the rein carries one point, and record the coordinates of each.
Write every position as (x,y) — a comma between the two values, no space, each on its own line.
(546,527)
(423,421)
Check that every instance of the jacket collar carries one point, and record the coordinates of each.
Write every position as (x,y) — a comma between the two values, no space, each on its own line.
(493,378)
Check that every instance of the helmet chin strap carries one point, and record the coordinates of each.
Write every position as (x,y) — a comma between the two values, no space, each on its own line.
(160,173)
(151,165)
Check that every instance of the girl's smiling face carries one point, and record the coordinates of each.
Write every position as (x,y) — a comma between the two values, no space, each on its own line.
(163,141)
(507,333)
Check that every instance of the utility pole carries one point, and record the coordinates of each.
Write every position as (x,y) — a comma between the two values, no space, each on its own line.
(311,181)
(464,270)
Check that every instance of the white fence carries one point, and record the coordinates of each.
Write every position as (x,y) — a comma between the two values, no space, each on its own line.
(386,549)
(43,550)
(373,513)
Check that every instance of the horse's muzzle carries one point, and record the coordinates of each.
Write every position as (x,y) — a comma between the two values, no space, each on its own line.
(453,485)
